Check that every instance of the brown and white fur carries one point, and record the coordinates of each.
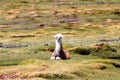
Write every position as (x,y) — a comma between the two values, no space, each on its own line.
(59,53)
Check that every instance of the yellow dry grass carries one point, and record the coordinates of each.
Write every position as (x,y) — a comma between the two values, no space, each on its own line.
(49,68)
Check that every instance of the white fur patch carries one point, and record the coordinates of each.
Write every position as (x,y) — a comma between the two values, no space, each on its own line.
(58,35)
(52,58)
(58,58)
(58,43)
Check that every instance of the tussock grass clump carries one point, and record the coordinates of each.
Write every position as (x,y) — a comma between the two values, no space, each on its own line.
(100,66)
(114,63)
(104,51)
(82,51)
(104,63)
(107,51)
(56,76)
(107,54)
(79,74)
(107,47)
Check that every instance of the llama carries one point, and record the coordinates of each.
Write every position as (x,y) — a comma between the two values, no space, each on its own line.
(59,53)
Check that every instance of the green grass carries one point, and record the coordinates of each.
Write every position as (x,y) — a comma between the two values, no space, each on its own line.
(18,22)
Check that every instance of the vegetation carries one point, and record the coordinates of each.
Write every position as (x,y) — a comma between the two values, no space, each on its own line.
(91,30)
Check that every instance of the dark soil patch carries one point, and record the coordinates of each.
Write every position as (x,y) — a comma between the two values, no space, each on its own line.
(109,40)
(22,36)
(14,22)
(116,65)
(2,45)
(87,3)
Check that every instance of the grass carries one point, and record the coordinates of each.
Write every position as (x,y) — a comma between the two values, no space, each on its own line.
(34,23)
(80,70)
(37,51)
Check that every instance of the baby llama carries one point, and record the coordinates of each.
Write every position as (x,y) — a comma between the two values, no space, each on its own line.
(59,53)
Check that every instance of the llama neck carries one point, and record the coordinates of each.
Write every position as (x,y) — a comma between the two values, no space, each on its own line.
(58,46)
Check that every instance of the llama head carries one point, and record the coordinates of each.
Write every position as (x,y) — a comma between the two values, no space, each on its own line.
(58,37)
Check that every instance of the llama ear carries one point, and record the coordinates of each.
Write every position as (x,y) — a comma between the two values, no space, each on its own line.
(61,35)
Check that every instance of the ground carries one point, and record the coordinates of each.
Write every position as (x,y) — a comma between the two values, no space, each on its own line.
(91,30)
